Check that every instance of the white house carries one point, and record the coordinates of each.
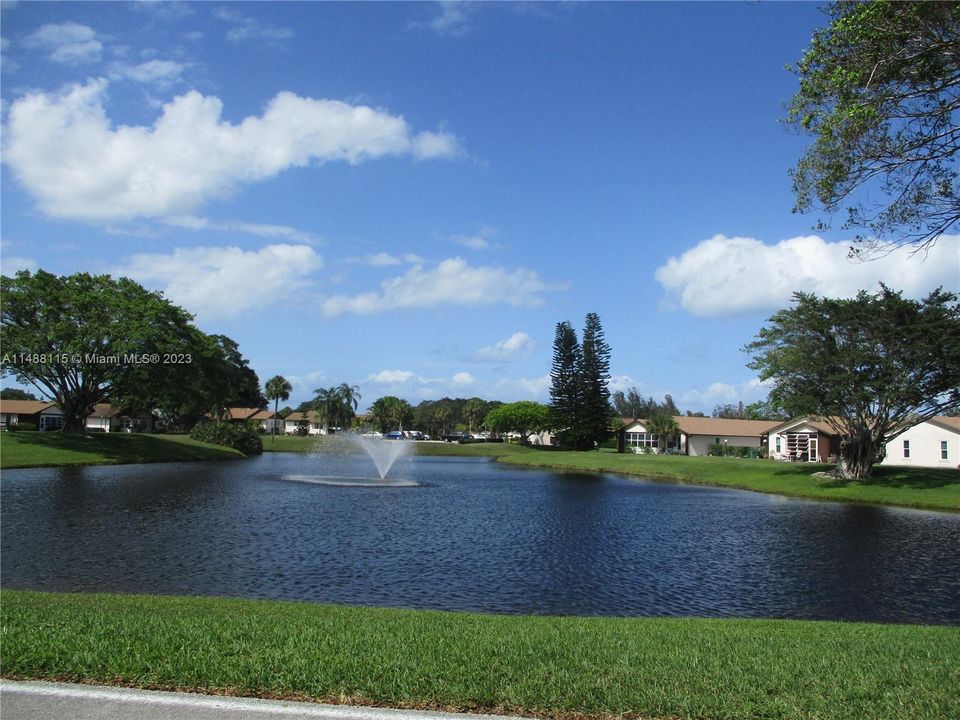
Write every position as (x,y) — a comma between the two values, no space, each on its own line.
(697,434)
(111,418)
(313,419)
(932,443)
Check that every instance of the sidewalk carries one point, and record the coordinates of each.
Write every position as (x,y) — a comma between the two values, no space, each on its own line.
(22,700)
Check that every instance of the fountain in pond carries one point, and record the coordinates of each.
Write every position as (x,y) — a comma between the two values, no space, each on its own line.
(383,454)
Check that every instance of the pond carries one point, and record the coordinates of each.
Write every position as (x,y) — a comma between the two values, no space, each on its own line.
(475,535)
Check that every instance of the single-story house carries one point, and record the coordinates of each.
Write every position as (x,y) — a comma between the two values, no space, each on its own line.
(312,417)
(42,414)
(931,443)
(266,419)
(111,418)
(697,434)
(803,439)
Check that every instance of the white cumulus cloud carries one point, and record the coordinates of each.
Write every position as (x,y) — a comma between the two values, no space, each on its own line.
(67,43)
(225,282)
(64,149)
(517,345)
(728,275)
(160,72)
(453,281)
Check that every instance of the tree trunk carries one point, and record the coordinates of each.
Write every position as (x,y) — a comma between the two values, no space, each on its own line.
(857,456)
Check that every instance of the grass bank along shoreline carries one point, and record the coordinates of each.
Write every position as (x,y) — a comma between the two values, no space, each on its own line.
(906,487)
(555,667)
(52,449)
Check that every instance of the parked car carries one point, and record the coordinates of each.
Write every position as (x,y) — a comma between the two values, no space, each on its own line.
(456,437)
(395,435)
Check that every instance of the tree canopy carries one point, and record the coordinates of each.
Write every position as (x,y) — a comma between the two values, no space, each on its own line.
(871,366)
(525,417)
(879,92)
(85,339)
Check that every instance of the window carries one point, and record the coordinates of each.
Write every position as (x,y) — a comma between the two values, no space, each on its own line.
(779,447)
(642,440)
(944,451)
(906,448)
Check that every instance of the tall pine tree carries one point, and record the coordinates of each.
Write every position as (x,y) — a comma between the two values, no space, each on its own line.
(565,385)
(579,396)
(594,376)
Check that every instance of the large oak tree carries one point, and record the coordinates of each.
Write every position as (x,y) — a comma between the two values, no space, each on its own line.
(871,366)
(85,339)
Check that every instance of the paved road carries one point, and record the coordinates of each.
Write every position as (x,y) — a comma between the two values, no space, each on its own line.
(60,701)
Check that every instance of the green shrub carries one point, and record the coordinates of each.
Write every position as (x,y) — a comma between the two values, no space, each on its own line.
(738,451)
(22,427)
(239,436)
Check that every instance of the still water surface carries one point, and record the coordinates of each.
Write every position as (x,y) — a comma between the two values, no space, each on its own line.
(476,536)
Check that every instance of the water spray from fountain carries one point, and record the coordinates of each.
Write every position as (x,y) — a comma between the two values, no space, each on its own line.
(383,454)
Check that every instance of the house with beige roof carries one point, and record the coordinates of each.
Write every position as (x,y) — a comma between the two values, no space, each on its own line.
(41,414)
(113,418)
(266,419)
(932,443)
(312,418)
(697,434)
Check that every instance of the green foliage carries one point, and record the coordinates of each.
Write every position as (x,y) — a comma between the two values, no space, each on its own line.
(83,339)
(337,405)
(879,94)
(239,436)
(391,413)
(871,366)
(524,417)
(664,427)
(439,417)
(579,396)
(737,451)
(22,427)
(16,394)
(634,405)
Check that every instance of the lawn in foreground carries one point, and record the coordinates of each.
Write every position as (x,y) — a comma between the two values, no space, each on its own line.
(42,449)
(547,666)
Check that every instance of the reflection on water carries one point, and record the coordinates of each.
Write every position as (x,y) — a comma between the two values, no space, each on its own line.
(473,536)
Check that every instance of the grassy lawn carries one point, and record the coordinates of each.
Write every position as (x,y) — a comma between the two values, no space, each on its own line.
(908,487)
(547,666)
(41,449)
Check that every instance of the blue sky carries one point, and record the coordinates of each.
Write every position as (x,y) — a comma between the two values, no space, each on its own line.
(408,197)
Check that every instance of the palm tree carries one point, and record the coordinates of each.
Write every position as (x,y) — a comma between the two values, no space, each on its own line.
(337,405)
(277,389)
(664,427)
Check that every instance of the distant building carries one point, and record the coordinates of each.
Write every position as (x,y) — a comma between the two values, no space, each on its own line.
(697,434)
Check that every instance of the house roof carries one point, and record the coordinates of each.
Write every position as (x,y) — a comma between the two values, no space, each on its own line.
(818,424)
(24,407)
(724,426)
(106,410)
(240,413)
(313,416)
(264,415)
(716,426)
(948,422)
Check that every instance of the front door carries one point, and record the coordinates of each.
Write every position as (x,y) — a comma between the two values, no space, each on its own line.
(812,446)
